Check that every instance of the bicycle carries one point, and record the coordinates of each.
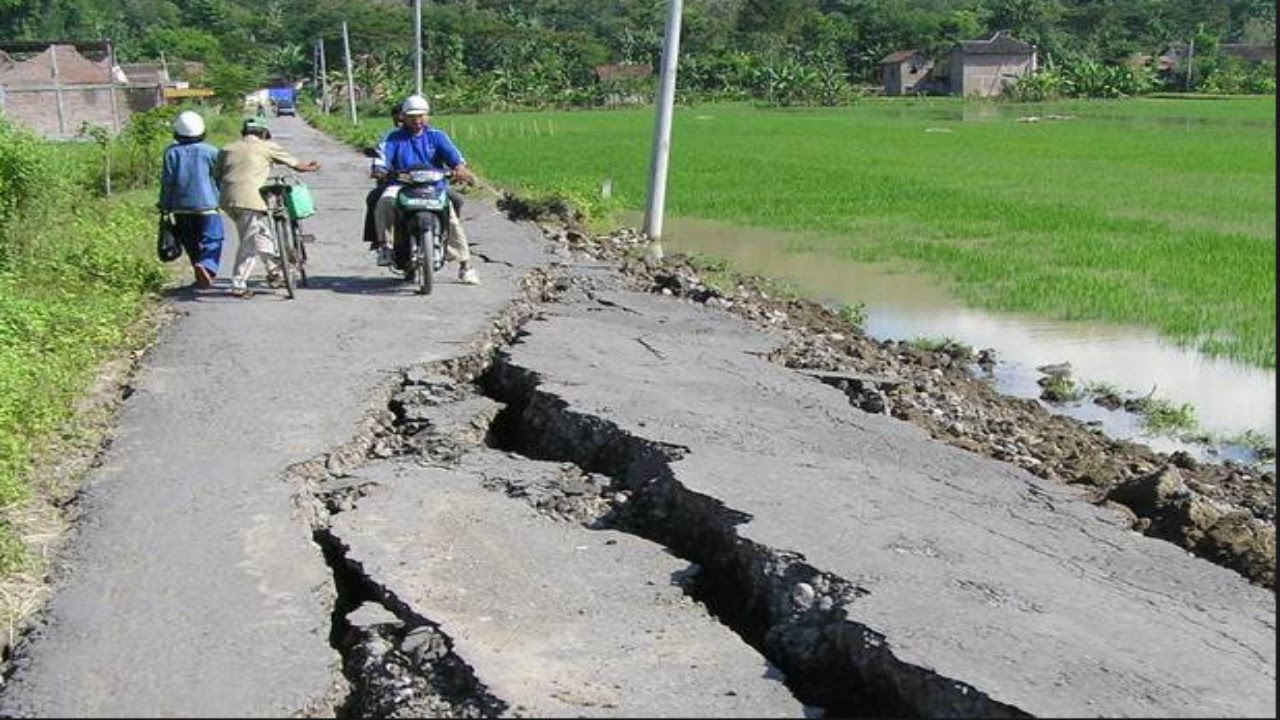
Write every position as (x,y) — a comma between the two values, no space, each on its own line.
(284,226)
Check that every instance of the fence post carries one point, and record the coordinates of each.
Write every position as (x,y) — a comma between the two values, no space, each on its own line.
(324,81)
(115,108)
(57,90)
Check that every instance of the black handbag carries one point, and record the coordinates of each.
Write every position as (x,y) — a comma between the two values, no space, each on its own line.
(168,248)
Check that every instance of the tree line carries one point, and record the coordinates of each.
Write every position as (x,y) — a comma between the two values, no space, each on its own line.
(504,54)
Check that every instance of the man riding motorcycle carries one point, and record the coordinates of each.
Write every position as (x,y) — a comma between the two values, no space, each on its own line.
(416,144)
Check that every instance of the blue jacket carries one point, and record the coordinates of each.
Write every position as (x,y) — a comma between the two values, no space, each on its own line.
(400,150)
(188,182)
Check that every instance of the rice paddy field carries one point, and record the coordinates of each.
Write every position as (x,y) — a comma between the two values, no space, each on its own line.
(1155,212)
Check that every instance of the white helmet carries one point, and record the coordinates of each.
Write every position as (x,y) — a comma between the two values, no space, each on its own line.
(415,105)
(188,124)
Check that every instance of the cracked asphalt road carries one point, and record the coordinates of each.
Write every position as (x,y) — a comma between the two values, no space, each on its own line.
(760,548)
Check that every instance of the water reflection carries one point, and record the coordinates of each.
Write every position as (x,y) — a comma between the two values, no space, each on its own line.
(1229,398)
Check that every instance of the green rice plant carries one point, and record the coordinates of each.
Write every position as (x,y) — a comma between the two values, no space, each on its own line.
(1059,389)
(714,272)
(1095,387)
(945,345)
(726,279)
(853,313)
(1104,394)
(1165,417)
(1157,213)
(1263,447)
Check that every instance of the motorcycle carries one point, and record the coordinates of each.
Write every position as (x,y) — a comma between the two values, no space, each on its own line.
(422,225)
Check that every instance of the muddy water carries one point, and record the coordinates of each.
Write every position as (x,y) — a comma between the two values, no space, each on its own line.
(1229,398)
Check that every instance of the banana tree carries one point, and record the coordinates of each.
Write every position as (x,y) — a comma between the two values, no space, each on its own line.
(287,61)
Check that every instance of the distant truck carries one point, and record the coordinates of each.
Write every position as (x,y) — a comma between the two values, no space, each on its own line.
(284,100)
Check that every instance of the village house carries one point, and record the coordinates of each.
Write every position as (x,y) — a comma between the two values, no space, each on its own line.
(618,76)
(984,68)
(905,72)
(1175,58)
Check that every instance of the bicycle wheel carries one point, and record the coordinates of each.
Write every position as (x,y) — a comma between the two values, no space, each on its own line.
(284,249)
(299,252)
(424,261)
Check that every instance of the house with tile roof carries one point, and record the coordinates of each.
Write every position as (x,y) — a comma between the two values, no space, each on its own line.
(984,68)
(905,72)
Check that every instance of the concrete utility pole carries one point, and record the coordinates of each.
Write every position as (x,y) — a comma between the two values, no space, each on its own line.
(662,131)
(417,46)
(324,80)
(351,86)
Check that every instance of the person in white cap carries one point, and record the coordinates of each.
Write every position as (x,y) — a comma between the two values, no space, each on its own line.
(189,192)
(415,143)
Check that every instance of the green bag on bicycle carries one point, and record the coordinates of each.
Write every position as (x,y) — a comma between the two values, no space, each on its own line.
(298,202)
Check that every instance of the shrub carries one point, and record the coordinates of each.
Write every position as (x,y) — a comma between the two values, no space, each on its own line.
(23,177)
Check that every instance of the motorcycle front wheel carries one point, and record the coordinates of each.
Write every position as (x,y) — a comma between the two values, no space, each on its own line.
(402,247)
(423,255)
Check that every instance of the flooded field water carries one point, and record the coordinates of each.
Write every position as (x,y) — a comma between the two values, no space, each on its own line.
(1229,398)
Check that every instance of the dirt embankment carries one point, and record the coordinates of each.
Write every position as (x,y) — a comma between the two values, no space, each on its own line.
(1223,512)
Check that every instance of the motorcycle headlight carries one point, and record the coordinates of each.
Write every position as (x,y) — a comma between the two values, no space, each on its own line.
(425,176)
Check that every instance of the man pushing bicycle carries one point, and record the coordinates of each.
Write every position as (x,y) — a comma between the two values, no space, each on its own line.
(242,170)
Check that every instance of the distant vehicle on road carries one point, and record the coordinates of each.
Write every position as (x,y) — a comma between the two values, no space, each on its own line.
(284,100)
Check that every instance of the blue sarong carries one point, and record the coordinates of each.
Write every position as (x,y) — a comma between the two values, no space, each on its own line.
(201,237)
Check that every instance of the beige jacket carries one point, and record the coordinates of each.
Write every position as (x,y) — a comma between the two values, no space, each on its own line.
(243,167)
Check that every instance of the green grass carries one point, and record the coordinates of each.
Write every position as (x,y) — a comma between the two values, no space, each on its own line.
(1157,212)
(1164,417)
(76,272)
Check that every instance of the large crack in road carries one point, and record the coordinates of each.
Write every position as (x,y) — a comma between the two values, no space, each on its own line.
(399,663)
(581,468)
(787,610)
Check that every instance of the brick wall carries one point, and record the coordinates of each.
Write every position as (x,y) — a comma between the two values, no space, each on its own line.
(56,91)
(40,109)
